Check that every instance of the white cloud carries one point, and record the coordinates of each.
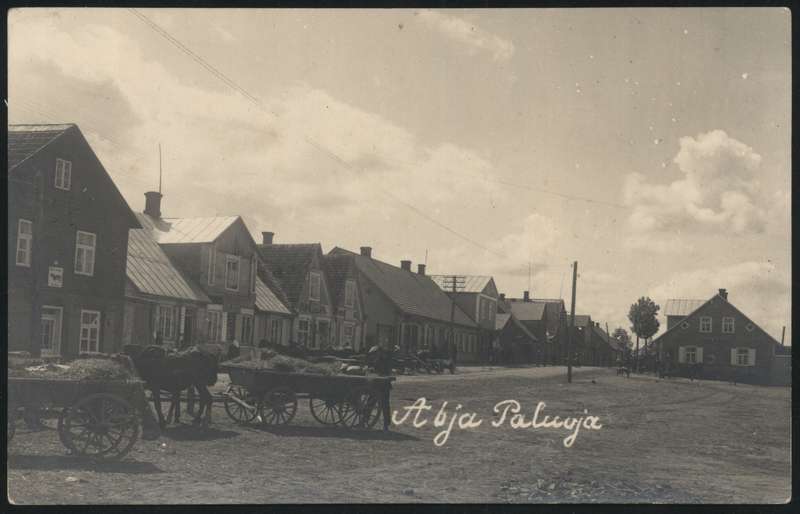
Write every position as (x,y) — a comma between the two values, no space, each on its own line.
(469,35)
(759,289)
(719,191)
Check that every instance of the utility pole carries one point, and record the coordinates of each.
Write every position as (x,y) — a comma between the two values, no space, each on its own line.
(783,334)
(454,283)
(571,322)
(608,335)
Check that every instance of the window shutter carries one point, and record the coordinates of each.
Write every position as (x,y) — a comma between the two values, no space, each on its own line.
(699,351)
(733,356)
(224,328)
(681,354)
(751,358)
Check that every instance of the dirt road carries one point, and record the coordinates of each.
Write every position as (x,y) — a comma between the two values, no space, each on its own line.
(663,441)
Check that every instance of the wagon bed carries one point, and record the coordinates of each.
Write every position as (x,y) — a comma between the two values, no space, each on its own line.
(99,418)
(271,396)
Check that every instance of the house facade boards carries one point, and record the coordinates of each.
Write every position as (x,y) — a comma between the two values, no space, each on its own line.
(478,299)
(592,346)
(407,309)
(342,277)
(717,340)
(274,318)
(299,270)
(67,245)
(515,344)
(544,318)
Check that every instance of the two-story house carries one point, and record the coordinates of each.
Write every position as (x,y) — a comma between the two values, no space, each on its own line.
(342,277)
(407,309)
(67,244)
(299,270)
(477,297)
(217,254)
(545,319)
(717,340)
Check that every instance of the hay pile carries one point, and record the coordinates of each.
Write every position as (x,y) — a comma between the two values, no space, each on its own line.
(283,363)
(79,369)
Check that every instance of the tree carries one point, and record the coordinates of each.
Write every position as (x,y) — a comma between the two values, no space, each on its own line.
(624,339)
(644,322)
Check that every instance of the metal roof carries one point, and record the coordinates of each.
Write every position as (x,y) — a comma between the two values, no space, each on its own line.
(502,319)
(681,307)
(25,141)
(411,292)
(472,283)
(528,311)
(191,230)
(151,270)
(267,301)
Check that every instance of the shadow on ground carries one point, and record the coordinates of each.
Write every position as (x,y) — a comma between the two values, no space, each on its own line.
(336,433)
(62,462)
(196,433)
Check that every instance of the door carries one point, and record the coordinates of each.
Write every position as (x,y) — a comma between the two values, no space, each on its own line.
(51,331)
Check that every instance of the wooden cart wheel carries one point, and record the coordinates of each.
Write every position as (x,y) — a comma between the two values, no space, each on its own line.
(235,399)
(327,411)
(278,406)
(101,426)
(361,409)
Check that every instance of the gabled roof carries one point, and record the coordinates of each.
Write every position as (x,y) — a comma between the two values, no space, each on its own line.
(472,283)
(502,319)
(267,300)
(528,311)
(337,269)
(692,314)
(410,292)
(24,141)
(289,264)
(151,270)
(681,307)
(581,320)
(191,230)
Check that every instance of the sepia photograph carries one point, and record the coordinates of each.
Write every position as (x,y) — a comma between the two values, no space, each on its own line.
(434,256)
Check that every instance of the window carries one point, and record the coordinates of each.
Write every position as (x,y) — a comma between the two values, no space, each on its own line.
(90,332)
(303,327)
(428,342)
(486,306)
(212,260)
(749,327)
(232,272)
(349,294)
(24,242)
(63,174)
(51,330)
(84,253)
(684,325)
(727,325)
(214,325)
(253,271)
(247,329)
(323,333)
(348,335)
(275,330)
(314,286)
(705,324)
(691,355)
(165,324)
(743,356)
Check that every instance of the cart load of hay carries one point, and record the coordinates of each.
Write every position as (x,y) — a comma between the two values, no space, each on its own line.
(111,367)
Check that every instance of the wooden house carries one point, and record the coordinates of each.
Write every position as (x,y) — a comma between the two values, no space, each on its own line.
(515,343)
(407,309)
(342,277)
(545,319)
(67,245)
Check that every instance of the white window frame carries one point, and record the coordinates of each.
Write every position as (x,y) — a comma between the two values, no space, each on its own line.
(253,271)
(703,321)
(28,239)
(690,351)
(318,333)
(212,258)
(348,341)
(88,337)
(55,351)
(166,322)
(303,335)
(248,321)
(214,323)
(228,260)
(275,329)
(728,325)
(739,360)
(64,172)
(350,293)
(89,250)
(312,276)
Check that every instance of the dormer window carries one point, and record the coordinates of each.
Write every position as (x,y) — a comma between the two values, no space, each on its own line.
(232,272)
(705,324)
(314,285)
(63,174)
(349,294)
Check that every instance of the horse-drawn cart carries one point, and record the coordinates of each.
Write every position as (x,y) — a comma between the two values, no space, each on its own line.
(98,418)
(271,397)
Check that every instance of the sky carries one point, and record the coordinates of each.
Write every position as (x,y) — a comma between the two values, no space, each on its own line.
(650,145)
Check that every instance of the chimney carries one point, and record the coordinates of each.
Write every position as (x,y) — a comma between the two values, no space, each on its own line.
(406,265)
(266,237)
(526,296)
(502,297)
(366,251)
(723,293)
(152,204)
(420,269)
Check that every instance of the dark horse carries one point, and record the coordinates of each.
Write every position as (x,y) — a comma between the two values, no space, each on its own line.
(177,372)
